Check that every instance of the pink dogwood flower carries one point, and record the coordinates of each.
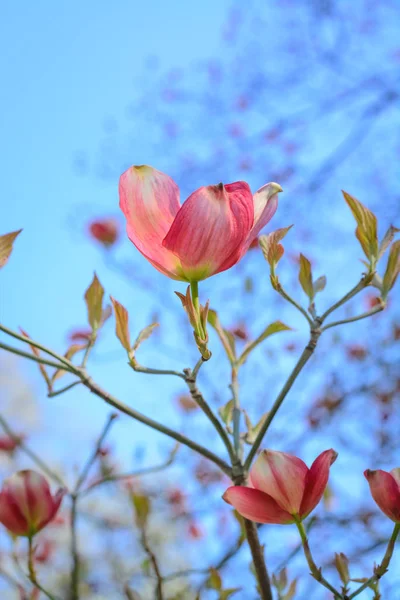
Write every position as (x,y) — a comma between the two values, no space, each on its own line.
(385,490)
(282,489)
(208,234)
(26,503)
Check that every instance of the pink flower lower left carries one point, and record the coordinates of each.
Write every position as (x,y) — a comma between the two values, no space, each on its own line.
(26,503)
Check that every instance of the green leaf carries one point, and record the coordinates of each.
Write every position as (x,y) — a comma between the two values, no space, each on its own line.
(42,369)
(270,246)
(392,269)
(252,431)
(226,412)
(387,240)
(131,594)
(273,328)
(319,284)
(144,335)
(366,231)
(214,581)
(280,581)
(121,324)
(305,277)
(289,595)
(227,593)
(70,353)
(227,339)
(94,302)
(342,567)
(141,505)
(6,246)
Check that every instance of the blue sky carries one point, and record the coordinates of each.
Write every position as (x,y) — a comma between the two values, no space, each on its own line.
(65,67)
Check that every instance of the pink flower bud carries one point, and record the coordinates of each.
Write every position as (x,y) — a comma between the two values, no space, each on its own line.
(385,490)
(26,503)
(105,231)
(208,234)
(282,489)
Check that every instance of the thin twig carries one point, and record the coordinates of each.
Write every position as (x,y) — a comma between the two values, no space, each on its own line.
(304,358)
(381,569)
(355,290)
(154,562)
(364,315)
(31,342)
(149,371)
(75,569)
(258,560)
(37,359)
(32,455)
(138,416)
(236,414)
(121,476)
(197,396)
(94,454)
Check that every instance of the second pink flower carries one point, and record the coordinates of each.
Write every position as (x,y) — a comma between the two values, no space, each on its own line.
(208,234)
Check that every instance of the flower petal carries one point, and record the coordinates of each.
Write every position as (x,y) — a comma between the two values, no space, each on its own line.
(282,476)
(55,505)
(396,474)
(316,481)
(256,506)
(386,492)
(209,231)
(11,516)
(265,204)
(149,200)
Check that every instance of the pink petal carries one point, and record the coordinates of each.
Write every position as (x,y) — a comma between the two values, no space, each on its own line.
(209,231)
(149,200)
(256,506)
(396,474)
(316,481)
(39,498)
(56,502)
(281,476)
(386,492)
(11,516)
(265,205)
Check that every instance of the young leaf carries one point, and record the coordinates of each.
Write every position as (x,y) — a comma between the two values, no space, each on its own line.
(342,567)
(94,302)
(366,231)
(387,240)
(319,284)
(36,352)
(70,353)
(275,327)
(305,277)
(270,246)
(392,269)
(141,504)
(144,335)
(226,337)
(227,593)
(121,324)
(6,246)
(290,594)
(226,412)
(214,581)
(252,431)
